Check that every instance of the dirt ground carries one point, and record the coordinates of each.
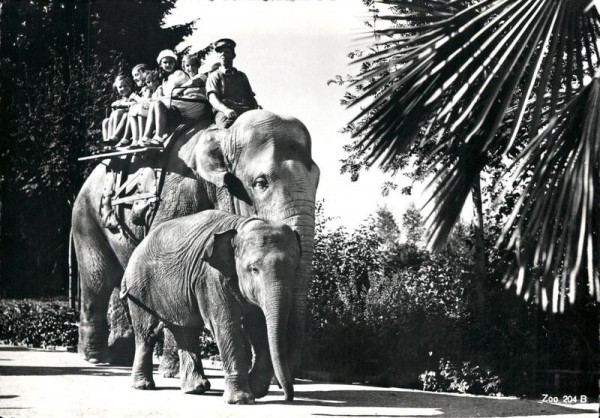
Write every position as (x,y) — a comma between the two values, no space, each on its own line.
(39,383)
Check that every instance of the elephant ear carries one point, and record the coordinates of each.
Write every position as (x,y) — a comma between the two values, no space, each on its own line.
(209,160)
(211,164)
(219,254)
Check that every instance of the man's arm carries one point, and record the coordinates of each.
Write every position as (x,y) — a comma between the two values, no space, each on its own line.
(219,106)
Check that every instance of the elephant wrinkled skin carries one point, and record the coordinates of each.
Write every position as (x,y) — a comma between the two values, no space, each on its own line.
(210,269)
(264,161)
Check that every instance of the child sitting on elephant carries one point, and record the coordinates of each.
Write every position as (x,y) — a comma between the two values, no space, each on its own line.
(209,269)
(173,78)
(138,112)
(113,126)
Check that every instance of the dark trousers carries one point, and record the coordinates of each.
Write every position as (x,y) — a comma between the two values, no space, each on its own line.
(222,121)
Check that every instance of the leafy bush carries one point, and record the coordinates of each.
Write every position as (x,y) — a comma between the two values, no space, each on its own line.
(38,324)
(43,324)
(381,311)
(462,378)
(208,346)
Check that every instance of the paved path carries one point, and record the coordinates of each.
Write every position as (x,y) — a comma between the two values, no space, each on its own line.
(37,383)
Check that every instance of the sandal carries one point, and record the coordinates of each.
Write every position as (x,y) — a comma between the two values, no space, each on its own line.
(125,142)
(143,142)
(154,143)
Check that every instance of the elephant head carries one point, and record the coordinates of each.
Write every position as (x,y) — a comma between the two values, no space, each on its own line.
(265,162)
(266,256)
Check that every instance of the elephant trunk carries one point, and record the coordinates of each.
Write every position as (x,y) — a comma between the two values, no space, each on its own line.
(304,224)
(276,311)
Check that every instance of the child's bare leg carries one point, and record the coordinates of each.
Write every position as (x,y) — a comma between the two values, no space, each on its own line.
(111,126)
(135,130)
(105,127)
(149,124)
(125,140)
(142,122)
(127,130)
(161,122)
(120,122)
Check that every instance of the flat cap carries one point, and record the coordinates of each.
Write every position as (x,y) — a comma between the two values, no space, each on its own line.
(224,43)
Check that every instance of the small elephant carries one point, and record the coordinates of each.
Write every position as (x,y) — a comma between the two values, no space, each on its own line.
(209,269)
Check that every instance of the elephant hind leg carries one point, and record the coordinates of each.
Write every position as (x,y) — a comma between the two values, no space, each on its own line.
(141,372)
(99,273)
(191,372)
(146,330)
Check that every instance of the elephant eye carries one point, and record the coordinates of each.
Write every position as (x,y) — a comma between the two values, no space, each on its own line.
(260,184)
(252,269)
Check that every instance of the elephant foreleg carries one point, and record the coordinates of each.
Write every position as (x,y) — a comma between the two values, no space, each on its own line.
(191,372)
(226,326)
(261,373)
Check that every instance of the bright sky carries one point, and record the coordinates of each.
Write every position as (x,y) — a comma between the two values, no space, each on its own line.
(289,49)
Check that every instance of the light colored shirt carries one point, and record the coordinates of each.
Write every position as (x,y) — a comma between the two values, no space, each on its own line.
(231,87)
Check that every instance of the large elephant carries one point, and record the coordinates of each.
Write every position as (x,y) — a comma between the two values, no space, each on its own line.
(264,162)
(209,269)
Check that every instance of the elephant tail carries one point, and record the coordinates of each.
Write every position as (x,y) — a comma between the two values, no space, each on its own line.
(73,275)
(124,291)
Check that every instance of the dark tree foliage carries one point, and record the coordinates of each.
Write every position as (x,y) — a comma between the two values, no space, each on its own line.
(58,61)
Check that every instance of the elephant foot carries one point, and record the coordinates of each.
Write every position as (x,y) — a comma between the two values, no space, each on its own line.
(195,386)
(238,397)
(259,384)
(144,384)
(237,390)
(92,346)
(92,356)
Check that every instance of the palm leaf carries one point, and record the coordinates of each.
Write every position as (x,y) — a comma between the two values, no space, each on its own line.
(556,218)
(468,70)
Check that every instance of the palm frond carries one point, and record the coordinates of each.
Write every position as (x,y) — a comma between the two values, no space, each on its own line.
(555,221)
(450,75)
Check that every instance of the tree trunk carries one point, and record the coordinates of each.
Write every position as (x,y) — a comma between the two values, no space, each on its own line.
(479,247)
(1,195)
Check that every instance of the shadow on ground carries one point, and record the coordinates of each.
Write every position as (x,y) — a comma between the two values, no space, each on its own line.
(311,398)
(12,348)
(420,404)
(56,371)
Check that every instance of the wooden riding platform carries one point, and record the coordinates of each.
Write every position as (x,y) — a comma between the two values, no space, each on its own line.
(118,153)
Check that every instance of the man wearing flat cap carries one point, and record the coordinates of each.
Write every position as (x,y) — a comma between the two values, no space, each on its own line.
(227,88)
